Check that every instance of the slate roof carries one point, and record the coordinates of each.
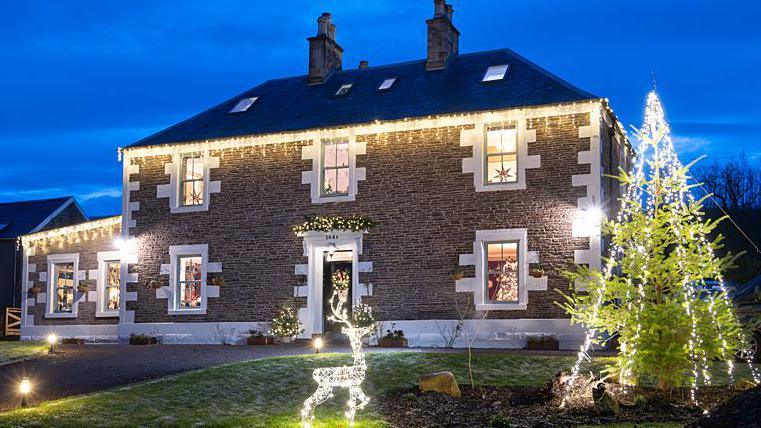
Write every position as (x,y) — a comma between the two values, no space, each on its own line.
(23,217)
(290,104)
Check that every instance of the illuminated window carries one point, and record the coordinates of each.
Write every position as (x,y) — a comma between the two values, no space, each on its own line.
(335,167)
(387,84)
(502,269)
(189,282)
(501,155)
(495,73)
(192,181)
(110,301)
(344,89)
(63,288)
(243,105)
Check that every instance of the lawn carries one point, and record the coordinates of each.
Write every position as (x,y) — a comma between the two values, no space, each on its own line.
(11,350)
(269,392)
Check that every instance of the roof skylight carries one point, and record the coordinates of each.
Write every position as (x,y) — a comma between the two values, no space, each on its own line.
(243,105)
(344,89)
(387,84)
(495,72)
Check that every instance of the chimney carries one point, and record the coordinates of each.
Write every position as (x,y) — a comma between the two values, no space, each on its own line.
(325,55)
(443,37)
(363,64)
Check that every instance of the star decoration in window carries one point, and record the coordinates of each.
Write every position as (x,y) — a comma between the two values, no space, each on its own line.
(504,174)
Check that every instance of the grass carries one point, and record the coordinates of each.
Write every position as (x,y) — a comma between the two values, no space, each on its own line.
(12,350)
(269,392)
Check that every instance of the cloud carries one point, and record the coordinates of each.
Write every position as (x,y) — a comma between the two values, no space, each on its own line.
(110,192)
(687,144)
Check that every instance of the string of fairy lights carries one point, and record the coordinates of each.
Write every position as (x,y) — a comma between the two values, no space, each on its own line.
(655,142)
(64,237)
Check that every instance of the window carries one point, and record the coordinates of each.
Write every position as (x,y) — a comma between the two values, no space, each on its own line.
(243,105)
(344,90)
(189,282)
(335,167)
(501,155)
(110,299)
(502,272)
(496,72)
(62,300)
(387,84)
(192,181)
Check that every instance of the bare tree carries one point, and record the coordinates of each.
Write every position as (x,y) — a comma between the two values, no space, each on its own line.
(735,184)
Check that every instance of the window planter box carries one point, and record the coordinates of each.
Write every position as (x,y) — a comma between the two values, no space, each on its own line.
(261,340)
(392,342)
(143,340)
(543,343)
(72,341)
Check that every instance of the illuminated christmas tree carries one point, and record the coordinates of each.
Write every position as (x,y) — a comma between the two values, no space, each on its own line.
(653,291)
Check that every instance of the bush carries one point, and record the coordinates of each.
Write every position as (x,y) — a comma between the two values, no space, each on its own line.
(286,323)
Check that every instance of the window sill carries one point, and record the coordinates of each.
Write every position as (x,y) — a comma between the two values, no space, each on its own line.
(107,314)
(200,311)
(501,306)
(60,315)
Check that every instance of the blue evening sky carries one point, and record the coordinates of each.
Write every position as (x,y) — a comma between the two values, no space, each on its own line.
(80,78)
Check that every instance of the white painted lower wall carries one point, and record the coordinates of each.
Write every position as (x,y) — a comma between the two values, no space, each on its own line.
(505,334)
(91,333)
(194,332)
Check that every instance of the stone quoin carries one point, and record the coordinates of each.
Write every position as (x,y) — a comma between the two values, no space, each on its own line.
(478,168)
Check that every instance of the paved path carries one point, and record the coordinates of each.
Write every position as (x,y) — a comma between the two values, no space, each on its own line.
(79,369)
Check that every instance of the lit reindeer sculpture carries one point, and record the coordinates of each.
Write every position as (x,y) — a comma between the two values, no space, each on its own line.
(350,377)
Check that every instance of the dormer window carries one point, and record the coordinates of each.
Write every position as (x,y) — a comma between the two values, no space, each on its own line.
(243,105)
(495,73)
(387,84)
(344,90)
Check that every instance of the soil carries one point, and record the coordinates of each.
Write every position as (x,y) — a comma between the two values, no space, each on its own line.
(520,406)
(743,410)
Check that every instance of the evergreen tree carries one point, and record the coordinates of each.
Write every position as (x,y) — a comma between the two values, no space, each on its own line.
(653,292)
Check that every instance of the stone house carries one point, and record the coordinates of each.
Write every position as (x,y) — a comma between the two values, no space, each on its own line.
(484,173)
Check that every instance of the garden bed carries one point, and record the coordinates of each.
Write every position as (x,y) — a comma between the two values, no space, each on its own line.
(530,406)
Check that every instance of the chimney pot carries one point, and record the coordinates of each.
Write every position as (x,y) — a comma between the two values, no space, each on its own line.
(443,37)
(325,55)
(363,64)
(440,7)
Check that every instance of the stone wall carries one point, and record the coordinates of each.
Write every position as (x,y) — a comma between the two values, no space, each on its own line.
(86,243)
(427,209)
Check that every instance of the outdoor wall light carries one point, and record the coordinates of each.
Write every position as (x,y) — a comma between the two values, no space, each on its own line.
(331,249)
(24,388)
(317,344)
(52,340)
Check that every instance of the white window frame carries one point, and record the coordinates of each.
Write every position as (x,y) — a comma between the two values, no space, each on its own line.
(104,258)
(181,181)
(53,260)
(314,152)
(485,237)
(487,155)
(323,168)
(175,252)
(173,189)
